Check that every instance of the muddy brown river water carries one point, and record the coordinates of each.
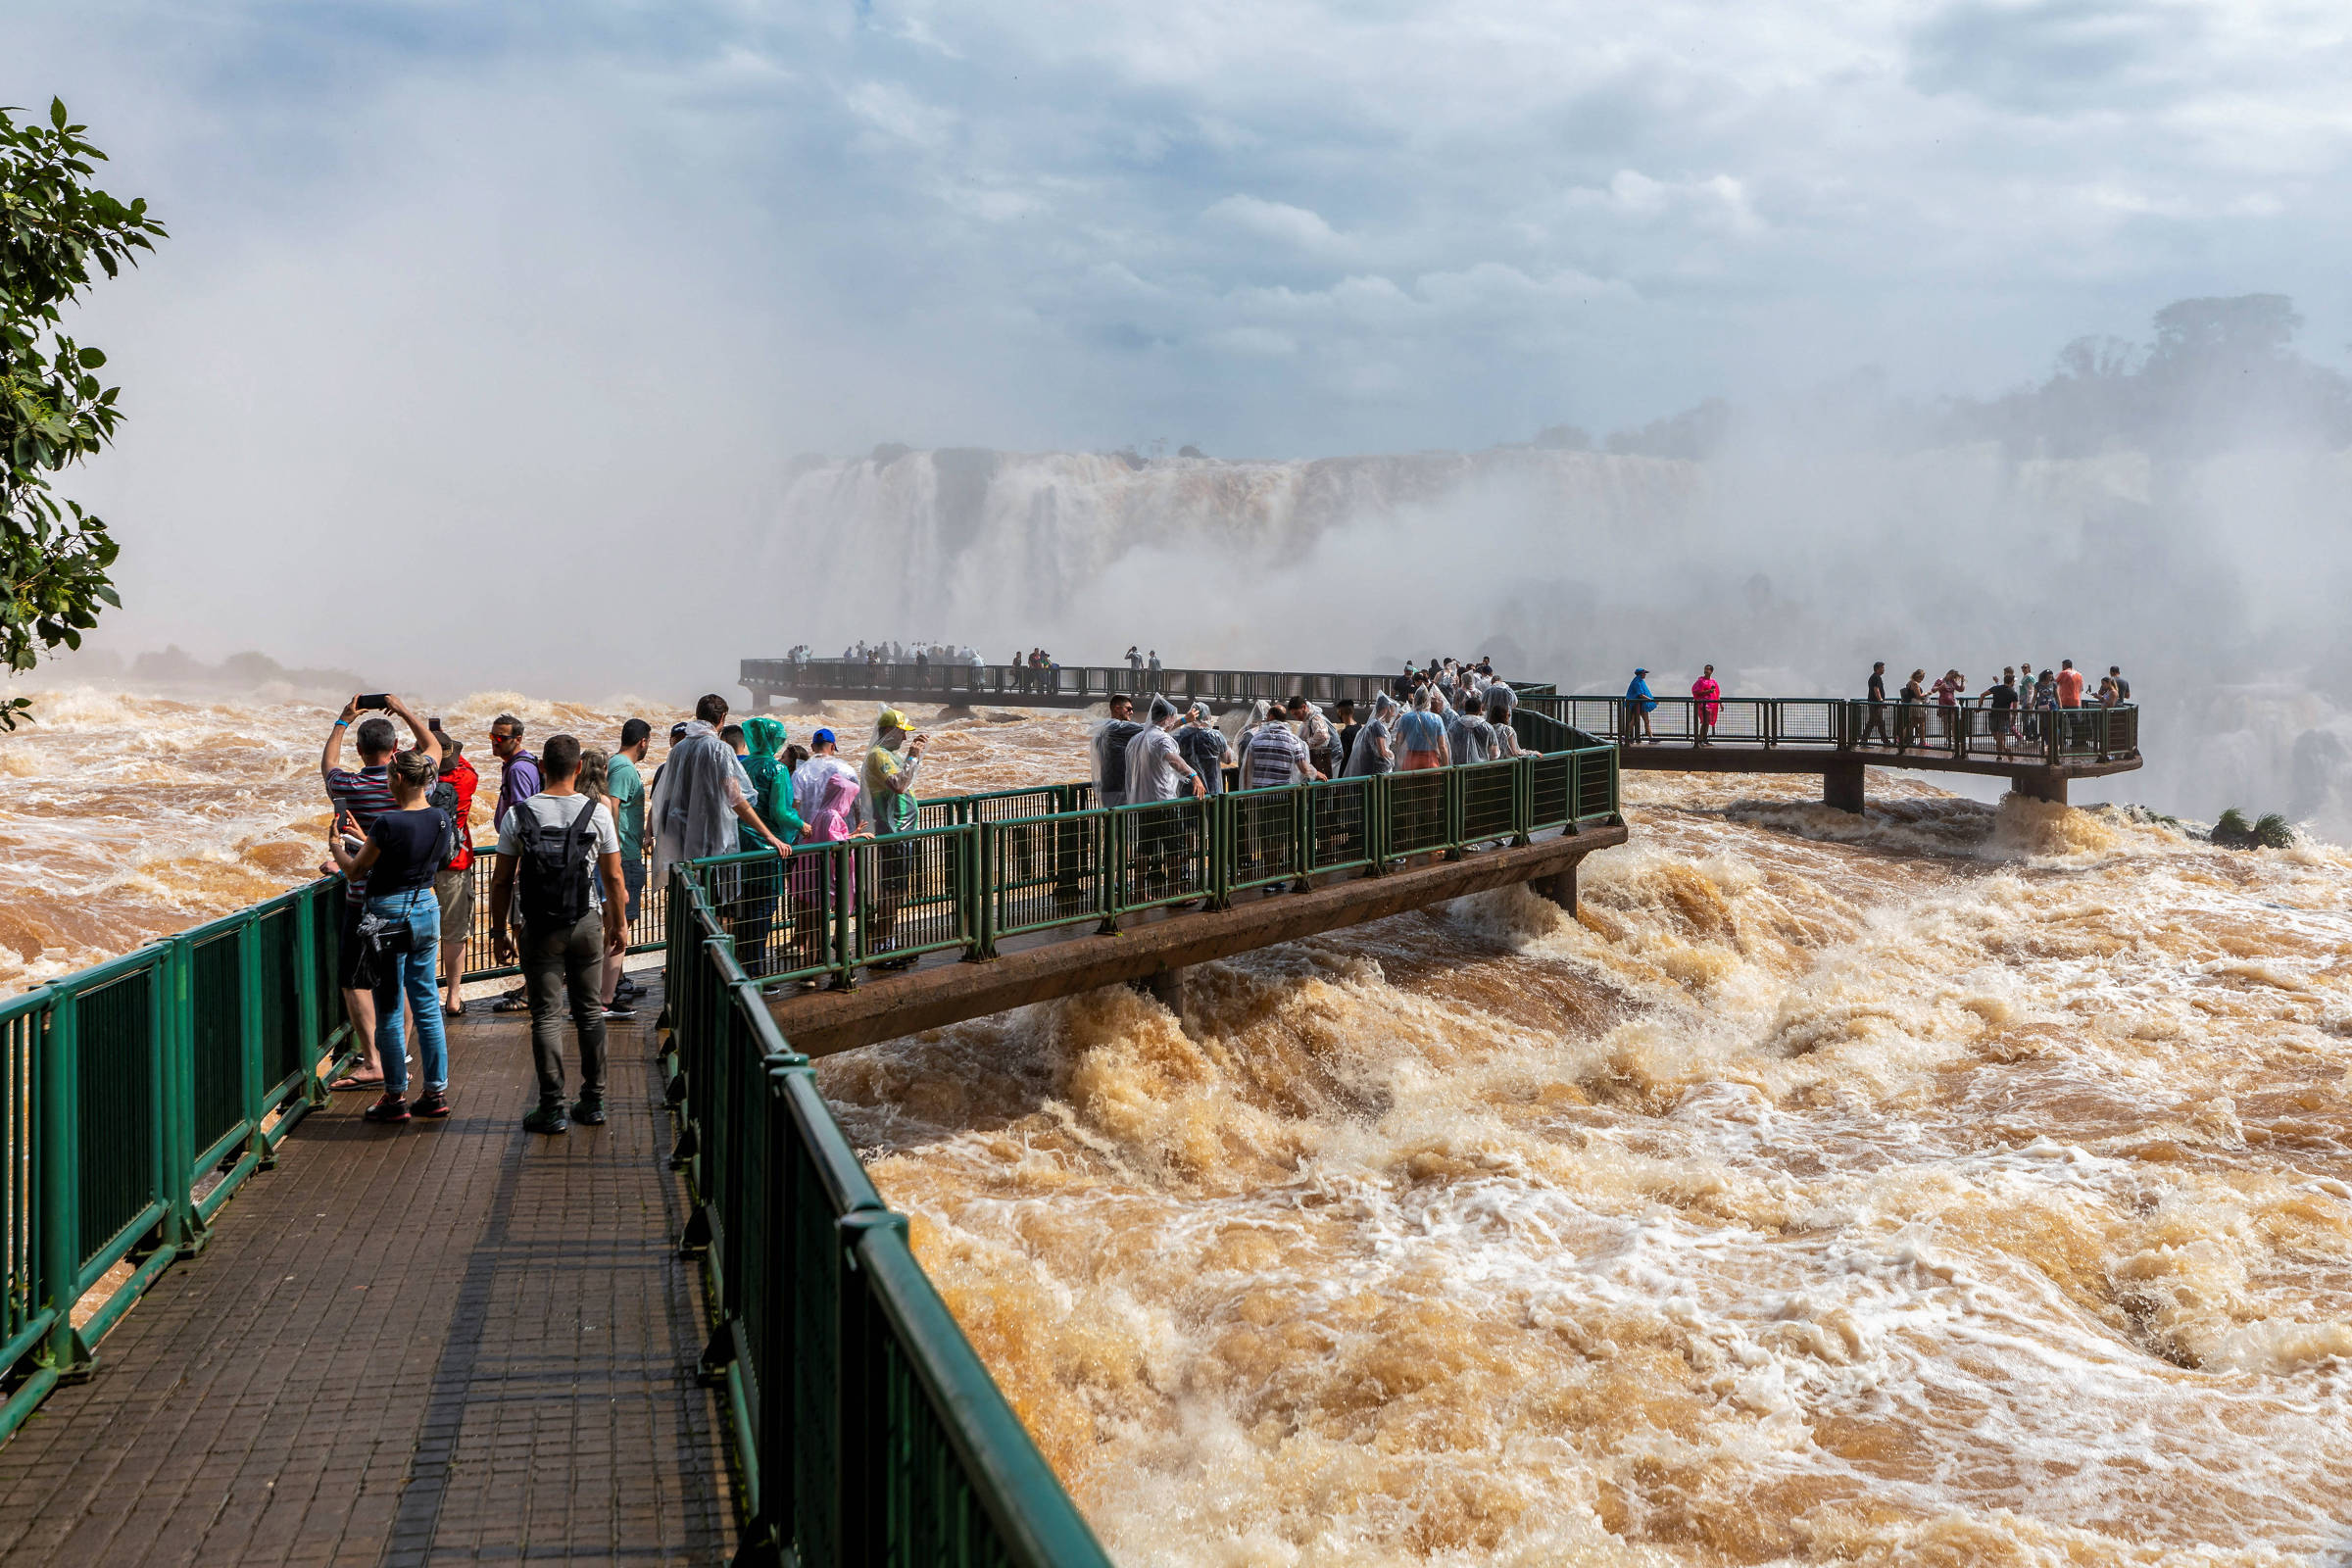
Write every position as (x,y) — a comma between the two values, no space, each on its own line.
(1959,1185)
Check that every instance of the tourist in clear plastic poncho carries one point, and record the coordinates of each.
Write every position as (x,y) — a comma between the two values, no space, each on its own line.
(700,797)
(1502,703)
(1375,748)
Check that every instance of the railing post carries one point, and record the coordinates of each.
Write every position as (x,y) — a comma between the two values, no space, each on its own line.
(249,982)
(983,871)
(58,1055)
(1220,850)
(845,886)
(1111,864)
(1452,799)
(1522,801)
(172,1036)
(310,1015)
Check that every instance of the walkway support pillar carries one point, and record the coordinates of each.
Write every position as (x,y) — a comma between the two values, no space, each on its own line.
(1841,785)
(2042,785)
(1561,888)
(1167,989)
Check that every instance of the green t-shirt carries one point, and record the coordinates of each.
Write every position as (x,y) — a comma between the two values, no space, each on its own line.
(628,790)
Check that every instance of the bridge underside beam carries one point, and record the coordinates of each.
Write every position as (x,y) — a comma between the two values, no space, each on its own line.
(819,1023)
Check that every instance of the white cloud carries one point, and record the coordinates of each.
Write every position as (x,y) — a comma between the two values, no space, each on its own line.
(1299,227)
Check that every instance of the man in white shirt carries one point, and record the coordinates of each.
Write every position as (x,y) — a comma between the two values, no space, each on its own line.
(571,920)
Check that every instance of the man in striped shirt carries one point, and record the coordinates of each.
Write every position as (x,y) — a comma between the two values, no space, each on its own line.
(1277,758)
(358,799)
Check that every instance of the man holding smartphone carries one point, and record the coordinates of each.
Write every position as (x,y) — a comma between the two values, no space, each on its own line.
(359,798)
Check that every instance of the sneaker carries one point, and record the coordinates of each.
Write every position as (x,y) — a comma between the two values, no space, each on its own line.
(588,1112)
(620,1009)
(433,1103)
(547,1119)
(392,1107)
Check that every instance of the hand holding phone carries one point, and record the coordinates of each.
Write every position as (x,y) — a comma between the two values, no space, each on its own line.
(375,700)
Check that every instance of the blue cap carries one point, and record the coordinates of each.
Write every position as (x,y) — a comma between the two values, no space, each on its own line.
(825,737)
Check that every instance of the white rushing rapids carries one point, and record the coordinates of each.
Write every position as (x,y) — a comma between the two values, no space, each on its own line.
(1957,1185)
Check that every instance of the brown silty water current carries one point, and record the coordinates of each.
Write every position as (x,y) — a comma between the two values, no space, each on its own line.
(1957,1185)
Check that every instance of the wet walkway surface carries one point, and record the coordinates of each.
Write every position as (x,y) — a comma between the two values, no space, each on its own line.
(441,1343)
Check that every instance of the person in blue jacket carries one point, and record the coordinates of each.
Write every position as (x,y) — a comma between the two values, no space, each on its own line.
(1639,704)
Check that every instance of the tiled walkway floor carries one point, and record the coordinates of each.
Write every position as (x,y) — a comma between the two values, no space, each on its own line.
(443,1343)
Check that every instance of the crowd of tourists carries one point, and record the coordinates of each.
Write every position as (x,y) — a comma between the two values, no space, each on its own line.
(920,655)
(1432,718)
(574,825)
(2018,707)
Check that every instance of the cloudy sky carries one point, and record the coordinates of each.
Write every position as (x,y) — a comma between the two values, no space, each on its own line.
(473,267)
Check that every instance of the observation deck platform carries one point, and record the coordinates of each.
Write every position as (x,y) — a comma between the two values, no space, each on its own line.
(2039,752)
(444,1342)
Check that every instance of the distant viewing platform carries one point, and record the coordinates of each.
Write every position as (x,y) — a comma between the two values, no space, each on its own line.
(2040,751)
(1053,686)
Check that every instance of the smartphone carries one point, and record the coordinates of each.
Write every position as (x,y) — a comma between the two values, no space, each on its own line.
(382,700)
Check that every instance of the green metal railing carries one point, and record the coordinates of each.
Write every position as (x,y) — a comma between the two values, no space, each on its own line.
(866,1426)
(2052,736)
(971,878)
(140,1096)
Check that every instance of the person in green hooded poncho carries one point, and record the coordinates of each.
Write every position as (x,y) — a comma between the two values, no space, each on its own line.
(763,740)
(753,917)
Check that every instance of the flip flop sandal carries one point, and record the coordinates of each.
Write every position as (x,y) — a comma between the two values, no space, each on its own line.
(355,1082)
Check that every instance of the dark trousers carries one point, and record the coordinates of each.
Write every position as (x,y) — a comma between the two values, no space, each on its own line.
(560,962)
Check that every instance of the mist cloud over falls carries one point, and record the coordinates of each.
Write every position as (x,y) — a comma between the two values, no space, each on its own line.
(2179,511)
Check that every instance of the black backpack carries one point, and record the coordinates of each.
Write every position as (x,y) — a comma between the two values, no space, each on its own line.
(559,869)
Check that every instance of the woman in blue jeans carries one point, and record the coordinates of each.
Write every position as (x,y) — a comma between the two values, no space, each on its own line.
(404,848)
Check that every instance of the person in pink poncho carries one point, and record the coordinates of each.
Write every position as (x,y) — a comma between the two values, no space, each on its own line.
(1709,696)
(826,791)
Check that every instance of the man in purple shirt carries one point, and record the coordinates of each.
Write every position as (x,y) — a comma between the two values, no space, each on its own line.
(520,781)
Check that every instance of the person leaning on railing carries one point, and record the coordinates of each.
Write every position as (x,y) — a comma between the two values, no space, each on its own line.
(625,786)
(359,798)
(891,802)
(400,931)
(453,793)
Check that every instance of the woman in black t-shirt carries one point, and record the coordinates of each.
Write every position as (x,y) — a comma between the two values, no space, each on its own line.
(401,923)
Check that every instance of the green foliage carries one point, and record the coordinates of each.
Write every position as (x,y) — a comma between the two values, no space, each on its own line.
(2272,831)
(55,225)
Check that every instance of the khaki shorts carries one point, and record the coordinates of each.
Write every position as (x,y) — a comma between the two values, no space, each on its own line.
(455,890)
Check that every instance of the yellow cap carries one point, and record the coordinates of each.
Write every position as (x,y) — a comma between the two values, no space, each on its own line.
(891,718)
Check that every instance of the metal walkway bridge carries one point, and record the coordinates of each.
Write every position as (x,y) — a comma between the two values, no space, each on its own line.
(2037,752)
(455,1340)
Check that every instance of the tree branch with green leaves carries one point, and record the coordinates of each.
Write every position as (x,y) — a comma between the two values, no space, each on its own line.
(56,226)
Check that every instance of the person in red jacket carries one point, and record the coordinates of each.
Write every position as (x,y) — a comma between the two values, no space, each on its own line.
(453,885)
